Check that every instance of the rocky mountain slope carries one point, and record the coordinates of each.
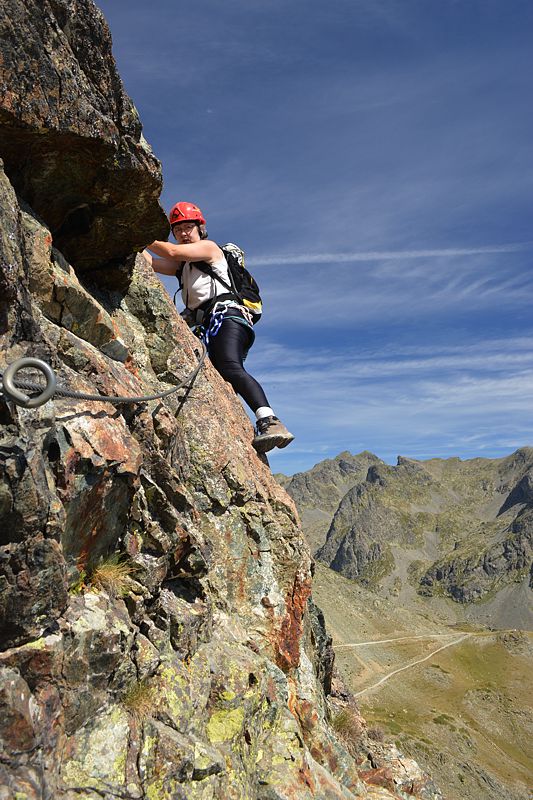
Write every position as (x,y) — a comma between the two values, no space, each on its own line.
(157,635)
(442,529)
(428,577)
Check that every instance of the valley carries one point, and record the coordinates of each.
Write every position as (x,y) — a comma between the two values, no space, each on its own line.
(458,701)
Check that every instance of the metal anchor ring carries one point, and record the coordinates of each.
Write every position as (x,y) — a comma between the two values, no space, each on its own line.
(19,397)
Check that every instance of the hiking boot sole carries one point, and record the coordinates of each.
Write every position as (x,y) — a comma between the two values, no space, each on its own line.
(285,441)
(267,443)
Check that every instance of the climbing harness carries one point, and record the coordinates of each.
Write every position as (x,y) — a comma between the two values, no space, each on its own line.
(10,385)
(221,311)
(216,318)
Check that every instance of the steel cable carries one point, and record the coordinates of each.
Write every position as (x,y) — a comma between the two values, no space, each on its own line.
(10,385)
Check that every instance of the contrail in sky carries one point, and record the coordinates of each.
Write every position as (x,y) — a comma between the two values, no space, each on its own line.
(385,255)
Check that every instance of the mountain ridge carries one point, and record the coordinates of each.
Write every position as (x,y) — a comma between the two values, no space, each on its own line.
(442,528)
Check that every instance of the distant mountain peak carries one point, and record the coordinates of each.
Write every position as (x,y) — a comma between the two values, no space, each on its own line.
(435,528)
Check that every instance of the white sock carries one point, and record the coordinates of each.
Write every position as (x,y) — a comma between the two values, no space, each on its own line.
(264,411)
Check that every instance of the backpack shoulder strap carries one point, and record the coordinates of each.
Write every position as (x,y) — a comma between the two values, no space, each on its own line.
(207,269)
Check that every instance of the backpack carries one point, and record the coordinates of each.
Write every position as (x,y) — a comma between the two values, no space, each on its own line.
(242,284)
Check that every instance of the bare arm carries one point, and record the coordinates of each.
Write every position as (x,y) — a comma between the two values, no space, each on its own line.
(194,251)
(164,266)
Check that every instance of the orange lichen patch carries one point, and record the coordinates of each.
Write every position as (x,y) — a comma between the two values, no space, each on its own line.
(105,438)
(116,328)
(306,777)
(378,777)
(306,713)
(290,634)
(131,366)
(324,755)
(292,700)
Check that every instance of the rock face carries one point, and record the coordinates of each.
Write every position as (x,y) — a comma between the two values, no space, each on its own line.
(156,630)
(70,137)
(443,528)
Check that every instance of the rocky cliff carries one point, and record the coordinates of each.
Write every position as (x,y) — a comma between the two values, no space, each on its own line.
(157,634)
(70,137)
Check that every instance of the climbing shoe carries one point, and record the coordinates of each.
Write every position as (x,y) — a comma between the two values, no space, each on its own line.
(269,433)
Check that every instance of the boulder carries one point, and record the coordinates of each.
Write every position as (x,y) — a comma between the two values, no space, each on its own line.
(70,136)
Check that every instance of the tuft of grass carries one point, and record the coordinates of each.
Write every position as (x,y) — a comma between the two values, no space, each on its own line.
(139,699)
(112,574)
(347,725)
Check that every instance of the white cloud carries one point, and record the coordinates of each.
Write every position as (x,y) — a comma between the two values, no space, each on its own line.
(383,255)
(460,401)
(400,288)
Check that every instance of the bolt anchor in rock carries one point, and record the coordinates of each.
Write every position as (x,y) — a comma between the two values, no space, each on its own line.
(10,389)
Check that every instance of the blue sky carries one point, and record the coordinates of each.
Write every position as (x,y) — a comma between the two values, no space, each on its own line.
(374,158)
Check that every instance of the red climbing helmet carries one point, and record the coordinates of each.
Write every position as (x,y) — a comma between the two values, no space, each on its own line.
(185,212)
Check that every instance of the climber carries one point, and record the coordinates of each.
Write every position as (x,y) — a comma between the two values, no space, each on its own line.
(202,271)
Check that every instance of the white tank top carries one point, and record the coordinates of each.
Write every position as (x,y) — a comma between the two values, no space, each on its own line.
(197,287)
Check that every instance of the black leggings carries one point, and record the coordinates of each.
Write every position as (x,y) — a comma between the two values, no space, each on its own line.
(227,351)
